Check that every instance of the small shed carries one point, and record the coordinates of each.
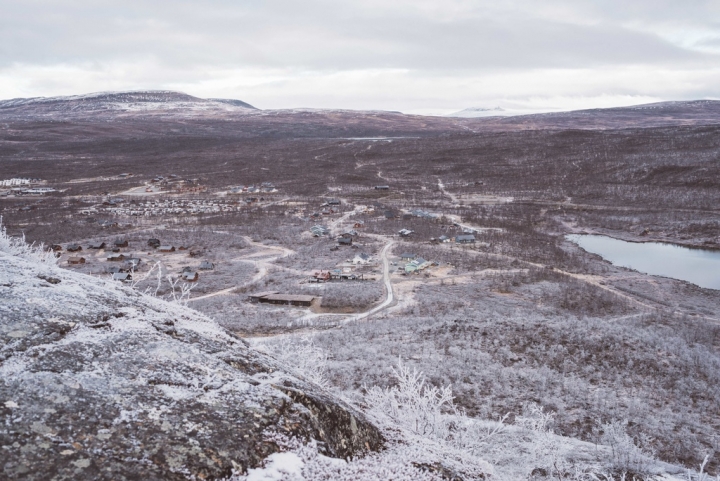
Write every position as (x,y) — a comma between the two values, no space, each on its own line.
(465,239)
(97,245)
(166,249)
(289,299)
(132,262)
(405,232)
(345,241)
(207,266)
(122,276)
(190,276)
(121,242)
(256,297)
(76,260)
(56,247)
(154,243)
(74,248)
(361,258)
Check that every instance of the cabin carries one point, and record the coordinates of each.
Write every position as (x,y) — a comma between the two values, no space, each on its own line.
(284,299)
(132,262)
(73,248)
(97,245)
(115,257)
(334,202)
(154,243)
(76,260)
(382,187)
(465,239)
(260,295)
(207,266)
(115,269)
(121,242)
(361,258)
(166,249)
(122,276)
(56,247)
(190,276)
(407,257)
(345,241)
(321,276)
(319,230)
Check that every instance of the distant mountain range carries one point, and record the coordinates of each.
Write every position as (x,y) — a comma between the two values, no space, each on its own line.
(136,101)
(473,112)
(169,104)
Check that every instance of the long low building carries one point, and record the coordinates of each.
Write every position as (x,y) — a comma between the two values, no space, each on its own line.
(274,297)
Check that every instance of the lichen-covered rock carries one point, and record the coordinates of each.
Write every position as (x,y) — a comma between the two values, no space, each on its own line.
(100,382)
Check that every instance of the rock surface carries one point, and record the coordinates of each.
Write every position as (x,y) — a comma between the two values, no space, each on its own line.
(100,382)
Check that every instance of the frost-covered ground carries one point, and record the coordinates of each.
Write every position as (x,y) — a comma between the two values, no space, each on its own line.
(101,381)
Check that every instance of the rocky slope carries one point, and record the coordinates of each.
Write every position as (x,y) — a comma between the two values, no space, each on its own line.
(100,382)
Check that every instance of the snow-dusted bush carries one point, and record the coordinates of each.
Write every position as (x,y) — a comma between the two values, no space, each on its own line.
(302,355)
(626,455)
(430,412)
(413,404)
(18,247)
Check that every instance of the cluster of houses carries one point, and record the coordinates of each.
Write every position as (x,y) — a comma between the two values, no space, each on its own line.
(19,181)
(415,263)
(263,188)
(345,271)
(173,181)
(168,207)
(126,263)
(21,187)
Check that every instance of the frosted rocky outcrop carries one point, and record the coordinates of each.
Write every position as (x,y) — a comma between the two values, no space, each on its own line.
(100,382)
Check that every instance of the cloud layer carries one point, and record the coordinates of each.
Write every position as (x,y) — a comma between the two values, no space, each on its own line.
(417,56)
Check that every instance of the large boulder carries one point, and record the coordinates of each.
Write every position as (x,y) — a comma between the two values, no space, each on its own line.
(100,382)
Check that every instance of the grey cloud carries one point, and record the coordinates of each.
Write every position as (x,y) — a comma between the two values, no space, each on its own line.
(317,35)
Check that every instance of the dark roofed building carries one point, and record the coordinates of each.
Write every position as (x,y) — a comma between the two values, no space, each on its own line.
(74,248)
(465,239)
(155,243)
(76,260)
(207,266)
(190,276)
(345,241)
(97,245)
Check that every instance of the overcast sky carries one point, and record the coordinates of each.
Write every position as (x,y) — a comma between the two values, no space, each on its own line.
(422,56)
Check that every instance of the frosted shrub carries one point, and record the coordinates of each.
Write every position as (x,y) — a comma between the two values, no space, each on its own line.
(179,294)
(19,247)
(302,355)
(413,404)
(625,454)
(429,411)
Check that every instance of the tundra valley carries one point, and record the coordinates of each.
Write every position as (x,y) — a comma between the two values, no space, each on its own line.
(199,289)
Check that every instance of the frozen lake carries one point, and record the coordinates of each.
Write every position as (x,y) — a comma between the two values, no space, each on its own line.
(699,266)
